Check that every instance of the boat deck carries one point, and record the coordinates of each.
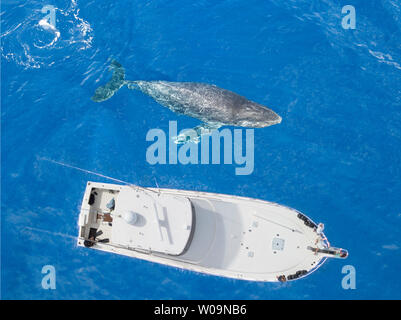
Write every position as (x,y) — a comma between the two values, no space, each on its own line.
(98,216)
(222,235)
(250,240)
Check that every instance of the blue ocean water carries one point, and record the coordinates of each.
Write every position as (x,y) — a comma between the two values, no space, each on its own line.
(336,156)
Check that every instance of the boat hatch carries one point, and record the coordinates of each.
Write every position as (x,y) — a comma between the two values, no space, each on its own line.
(278,244)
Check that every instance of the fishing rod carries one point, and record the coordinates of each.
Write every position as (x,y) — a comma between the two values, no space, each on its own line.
(98,174)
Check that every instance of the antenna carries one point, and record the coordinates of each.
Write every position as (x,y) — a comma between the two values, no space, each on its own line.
(157,185)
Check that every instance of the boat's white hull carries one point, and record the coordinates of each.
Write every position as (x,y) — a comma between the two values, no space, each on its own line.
(235,237)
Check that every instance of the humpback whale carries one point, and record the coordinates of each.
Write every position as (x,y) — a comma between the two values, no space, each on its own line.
(213,106)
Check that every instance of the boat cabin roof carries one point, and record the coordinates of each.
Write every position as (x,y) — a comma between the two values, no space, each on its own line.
(152,222)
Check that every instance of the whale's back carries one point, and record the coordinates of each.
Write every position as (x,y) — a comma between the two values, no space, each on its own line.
(209,103)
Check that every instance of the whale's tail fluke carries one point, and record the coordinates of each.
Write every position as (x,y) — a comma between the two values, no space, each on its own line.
(117,81)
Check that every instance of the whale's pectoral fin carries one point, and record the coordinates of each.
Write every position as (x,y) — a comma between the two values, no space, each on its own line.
(194,135)
(117,81)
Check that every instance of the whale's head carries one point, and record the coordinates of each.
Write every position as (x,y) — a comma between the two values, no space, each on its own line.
(255,115)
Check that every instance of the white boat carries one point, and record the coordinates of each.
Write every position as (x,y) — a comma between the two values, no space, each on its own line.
(216,234)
